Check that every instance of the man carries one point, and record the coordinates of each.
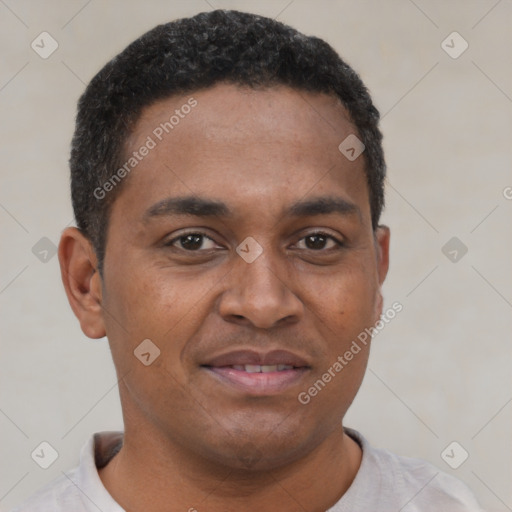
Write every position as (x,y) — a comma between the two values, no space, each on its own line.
(227,181)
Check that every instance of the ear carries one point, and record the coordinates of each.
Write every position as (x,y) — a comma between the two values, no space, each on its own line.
(78,267)
(382,237)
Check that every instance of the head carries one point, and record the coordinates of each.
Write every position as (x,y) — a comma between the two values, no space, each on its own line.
(218,219)
(192,54)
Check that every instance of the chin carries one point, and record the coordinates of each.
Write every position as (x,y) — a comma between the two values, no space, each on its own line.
(265,447)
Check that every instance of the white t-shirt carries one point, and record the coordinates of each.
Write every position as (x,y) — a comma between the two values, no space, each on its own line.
(385,482)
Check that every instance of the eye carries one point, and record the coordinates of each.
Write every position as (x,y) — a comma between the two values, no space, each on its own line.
(319,241)
(197,242)
(193,241)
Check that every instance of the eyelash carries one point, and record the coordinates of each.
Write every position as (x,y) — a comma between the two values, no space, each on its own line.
(171,243)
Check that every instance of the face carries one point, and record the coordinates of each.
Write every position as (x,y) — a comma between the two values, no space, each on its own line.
(241,245)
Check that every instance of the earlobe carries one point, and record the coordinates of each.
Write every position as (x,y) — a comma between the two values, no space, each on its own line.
(82,282)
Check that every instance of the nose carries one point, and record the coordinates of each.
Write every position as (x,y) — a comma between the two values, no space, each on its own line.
(260,294)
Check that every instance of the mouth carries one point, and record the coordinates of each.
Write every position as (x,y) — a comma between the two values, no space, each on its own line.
(258,374)
(262,368)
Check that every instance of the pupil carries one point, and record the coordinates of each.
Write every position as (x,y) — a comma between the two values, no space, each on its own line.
(192,242)
(318,244)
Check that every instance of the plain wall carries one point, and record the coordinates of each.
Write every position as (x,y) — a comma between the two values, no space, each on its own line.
(439,372)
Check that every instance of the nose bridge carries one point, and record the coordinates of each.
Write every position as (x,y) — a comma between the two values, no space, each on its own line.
(260,292)
(263,278)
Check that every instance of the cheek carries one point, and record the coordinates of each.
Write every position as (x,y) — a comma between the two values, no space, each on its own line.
(144,300)
(153,304)
(347,299)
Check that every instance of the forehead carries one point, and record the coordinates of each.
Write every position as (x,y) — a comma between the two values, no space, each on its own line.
(247,146)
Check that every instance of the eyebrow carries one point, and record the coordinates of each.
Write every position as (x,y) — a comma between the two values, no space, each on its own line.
(323,206)
(190,205)
(201,207)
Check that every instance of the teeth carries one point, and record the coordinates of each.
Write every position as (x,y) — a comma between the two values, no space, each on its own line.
(262,368)
(252,368)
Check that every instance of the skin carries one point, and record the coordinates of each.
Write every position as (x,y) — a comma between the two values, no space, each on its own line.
(191,440)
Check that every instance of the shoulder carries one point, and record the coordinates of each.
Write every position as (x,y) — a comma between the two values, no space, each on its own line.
(428,485)
(81,489)
(59,495)
(414,484)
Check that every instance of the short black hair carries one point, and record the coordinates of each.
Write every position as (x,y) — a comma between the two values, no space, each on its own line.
(195,53)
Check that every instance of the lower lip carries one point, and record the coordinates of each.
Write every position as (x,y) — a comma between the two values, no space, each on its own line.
(270,383)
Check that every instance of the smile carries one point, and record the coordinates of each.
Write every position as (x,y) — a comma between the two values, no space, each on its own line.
(258,373)
(262,368)
(258,380)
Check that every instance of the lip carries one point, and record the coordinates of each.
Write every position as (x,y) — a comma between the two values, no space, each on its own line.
(242,357)
(258,384)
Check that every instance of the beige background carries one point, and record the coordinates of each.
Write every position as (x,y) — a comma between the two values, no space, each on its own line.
(439,372)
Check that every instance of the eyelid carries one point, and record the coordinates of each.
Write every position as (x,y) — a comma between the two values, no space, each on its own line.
(176,237)
(339,242)
(328,235)
(198,231)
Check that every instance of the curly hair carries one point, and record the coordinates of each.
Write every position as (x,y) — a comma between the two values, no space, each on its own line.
(195,53)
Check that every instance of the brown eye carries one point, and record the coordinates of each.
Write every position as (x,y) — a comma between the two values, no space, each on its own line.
(319,241)
(192,242)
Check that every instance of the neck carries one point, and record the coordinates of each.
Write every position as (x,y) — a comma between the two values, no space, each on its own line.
(153,474)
